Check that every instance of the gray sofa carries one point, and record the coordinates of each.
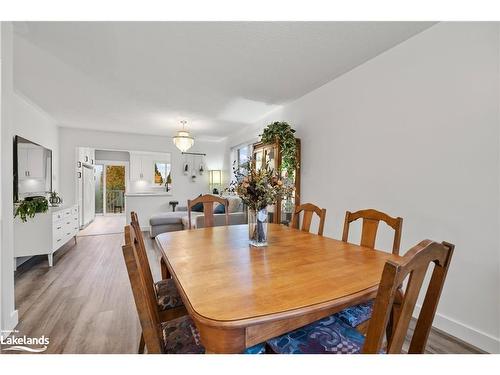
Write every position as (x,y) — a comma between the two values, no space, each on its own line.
(178,220)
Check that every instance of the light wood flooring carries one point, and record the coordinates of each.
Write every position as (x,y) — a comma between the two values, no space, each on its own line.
(104,224)
(84,304)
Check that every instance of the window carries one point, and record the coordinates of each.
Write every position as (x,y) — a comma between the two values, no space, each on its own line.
(240,154)
(162,173)
(243,154)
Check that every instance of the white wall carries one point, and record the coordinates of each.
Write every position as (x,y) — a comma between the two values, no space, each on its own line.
(9,314)
(19,117)
(183,188)
(34,124)
(1,169)
(415,132)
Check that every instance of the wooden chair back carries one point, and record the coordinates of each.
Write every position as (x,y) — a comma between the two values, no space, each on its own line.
(371,219)
(413,266)
(142,255)
(146,306)
(309,209)
(208,201)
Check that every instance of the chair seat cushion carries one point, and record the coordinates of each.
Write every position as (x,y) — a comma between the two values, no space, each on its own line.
(167,294)
(355,315)
(326,336)
(256,349)
(179,337)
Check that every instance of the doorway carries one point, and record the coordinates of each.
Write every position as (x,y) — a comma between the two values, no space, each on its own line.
(110,187)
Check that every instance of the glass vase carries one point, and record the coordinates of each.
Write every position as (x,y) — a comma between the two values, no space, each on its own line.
(257,227)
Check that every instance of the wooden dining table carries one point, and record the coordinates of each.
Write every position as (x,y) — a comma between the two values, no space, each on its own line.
(239,295)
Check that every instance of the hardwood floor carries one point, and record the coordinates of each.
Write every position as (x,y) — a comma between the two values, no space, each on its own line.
(84,303)
(104,224)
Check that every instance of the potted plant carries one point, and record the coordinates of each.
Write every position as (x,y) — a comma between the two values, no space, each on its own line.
(30,206)
(283,133)
(258,188)
(168,182)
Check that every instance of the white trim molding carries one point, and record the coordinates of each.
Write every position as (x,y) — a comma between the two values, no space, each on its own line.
(464,332)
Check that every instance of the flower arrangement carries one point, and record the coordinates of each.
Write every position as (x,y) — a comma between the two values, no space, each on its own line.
(258,188)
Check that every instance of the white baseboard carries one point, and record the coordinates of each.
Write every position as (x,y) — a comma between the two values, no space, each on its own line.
(464,332)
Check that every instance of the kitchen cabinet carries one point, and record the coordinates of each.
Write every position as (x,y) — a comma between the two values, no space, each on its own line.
(30,161)
(86,155)
(141,167)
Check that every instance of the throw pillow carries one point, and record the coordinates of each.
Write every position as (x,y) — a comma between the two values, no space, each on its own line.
(198,207)
(220,209)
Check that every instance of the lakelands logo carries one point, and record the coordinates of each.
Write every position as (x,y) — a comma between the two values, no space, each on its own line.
(10,342)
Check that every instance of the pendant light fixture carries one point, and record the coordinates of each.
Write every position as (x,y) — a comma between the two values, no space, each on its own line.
(183,140)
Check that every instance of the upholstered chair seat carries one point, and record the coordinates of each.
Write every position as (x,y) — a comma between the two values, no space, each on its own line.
(180,336)
(355,315)
(326,336)
(167,295)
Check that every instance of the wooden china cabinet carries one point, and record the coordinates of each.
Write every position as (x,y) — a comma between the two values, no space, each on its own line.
(281,212)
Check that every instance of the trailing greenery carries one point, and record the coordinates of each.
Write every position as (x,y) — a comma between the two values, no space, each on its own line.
(284,133)
(28,208)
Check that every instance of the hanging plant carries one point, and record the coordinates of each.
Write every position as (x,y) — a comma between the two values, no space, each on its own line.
(31,206)
(284,134)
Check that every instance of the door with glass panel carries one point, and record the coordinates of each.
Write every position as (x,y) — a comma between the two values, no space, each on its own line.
(110,189)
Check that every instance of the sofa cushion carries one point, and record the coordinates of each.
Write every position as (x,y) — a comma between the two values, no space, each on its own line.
(185,219)
(167,218)
(234,203)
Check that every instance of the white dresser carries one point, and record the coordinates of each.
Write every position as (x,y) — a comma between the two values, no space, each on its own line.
(46,232)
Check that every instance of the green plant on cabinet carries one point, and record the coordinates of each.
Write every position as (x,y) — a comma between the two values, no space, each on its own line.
(285,135)
(28,208)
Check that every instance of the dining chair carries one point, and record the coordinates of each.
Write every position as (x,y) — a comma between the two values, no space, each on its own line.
(359,315)
(165,274)
(176,336)
(164,292)
(208,201)
(371,219)
(309,209)
(332,335)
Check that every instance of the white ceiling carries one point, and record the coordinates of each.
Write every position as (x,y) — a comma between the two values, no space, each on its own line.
(144,77)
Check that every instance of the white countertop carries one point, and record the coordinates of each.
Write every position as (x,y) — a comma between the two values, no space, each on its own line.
(151,194)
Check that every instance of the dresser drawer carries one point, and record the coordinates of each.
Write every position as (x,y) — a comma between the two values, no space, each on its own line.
(57,216)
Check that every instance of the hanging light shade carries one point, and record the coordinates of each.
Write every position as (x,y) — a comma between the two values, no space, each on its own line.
(183,140)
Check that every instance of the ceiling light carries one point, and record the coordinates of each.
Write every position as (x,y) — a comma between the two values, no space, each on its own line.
(183,140)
